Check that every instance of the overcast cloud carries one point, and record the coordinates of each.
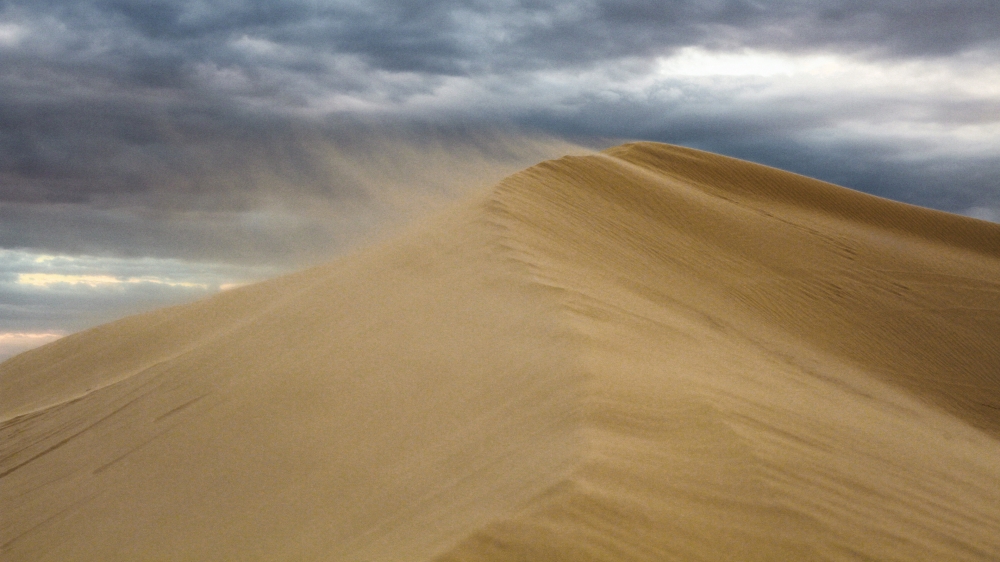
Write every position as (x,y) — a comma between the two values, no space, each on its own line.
(239,135)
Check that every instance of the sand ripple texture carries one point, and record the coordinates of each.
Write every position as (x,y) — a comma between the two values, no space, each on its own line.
(648,354)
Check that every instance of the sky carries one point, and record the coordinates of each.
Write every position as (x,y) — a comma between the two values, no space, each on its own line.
(157,151)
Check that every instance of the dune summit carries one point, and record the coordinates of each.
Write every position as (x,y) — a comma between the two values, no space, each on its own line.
(652,353)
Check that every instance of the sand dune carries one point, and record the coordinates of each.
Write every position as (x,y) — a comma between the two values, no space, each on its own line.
(652,353)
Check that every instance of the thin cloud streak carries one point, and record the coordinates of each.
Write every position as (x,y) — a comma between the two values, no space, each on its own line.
(49,279)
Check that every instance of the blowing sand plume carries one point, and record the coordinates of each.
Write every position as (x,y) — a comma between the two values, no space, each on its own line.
(648,354)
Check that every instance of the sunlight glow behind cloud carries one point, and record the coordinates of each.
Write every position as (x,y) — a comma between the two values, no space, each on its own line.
(22,337)
(49,279)
(694,61)
(11,34)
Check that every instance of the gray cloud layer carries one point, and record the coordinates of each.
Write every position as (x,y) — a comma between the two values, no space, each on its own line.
(100,96)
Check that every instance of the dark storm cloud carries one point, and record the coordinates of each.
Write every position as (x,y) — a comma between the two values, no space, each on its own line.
(87,152)
(135,44)
(163,107)
(449,36)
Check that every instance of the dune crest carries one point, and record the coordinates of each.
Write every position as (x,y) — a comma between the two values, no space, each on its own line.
(652,353)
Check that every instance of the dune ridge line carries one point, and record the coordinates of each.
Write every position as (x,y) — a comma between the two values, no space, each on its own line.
(651,353)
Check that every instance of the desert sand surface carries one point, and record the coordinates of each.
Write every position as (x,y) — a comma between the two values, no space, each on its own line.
(651,353)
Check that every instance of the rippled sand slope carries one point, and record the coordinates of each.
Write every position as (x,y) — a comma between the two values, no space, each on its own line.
(652,353)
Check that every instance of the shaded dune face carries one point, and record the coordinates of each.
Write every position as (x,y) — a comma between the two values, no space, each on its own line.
(653,353)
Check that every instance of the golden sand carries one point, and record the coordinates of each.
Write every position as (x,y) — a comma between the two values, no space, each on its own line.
(653,353)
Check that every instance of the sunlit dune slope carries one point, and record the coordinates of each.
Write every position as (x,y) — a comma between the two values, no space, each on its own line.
(652,354)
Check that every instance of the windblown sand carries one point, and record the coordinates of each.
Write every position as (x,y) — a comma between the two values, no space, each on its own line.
(652,353)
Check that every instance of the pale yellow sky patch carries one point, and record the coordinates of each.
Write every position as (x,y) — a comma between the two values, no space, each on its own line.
(28,337)
(46,280)
(693,61)
(49,279)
